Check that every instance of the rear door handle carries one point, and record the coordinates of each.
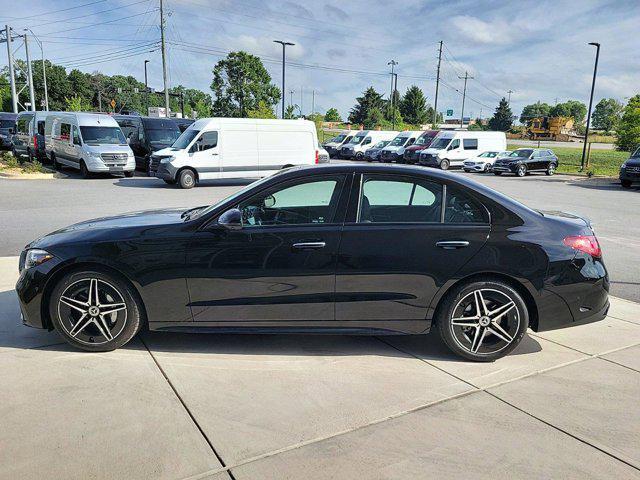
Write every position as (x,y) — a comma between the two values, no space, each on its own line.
(452,244)
(309,245)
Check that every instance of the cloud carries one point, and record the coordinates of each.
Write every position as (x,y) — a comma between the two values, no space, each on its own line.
(477,30)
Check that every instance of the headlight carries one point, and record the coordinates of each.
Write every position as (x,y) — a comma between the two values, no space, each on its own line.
(36,257)
(166,159)
(623,166)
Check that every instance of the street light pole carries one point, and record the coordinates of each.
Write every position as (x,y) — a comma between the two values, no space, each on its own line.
(509,92)
(146,88)
(593,86)
(284,46)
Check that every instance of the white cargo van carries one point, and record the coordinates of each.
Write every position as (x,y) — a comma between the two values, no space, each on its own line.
(334,145)
(90,142)
(394,152)
(214,148)
(452,148)
(362,141)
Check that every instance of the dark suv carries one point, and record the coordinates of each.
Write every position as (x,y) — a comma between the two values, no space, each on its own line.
(630,170)
(147,135)
(7,129)
(525,160)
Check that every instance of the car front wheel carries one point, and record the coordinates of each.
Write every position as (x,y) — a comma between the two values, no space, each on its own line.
(482,320)
(444,164)
(94,311)
(626,183)
(521,170)
(187,179)
(551,169)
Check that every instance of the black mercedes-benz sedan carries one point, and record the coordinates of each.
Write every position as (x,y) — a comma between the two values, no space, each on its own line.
(525,160)
(363,249)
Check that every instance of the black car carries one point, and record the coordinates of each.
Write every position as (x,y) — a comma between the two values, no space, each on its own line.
(525,160)
(7,129)
(147,135)
(630,170)
(358,248)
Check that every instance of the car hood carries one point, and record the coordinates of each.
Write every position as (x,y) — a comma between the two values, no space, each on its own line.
(415,148)
(168,151)
(107,148)
(633,161)
(393,149)
(110,228)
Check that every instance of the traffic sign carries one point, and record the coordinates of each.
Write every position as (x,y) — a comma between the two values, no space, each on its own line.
(112,103)
(450,112)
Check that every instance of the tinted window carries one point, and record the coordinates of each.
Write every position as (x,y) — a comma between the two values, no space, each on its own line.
(41,128)
(310,202)
(461,208)
(76,136)
(162,137)
(7,123)
(470,144)
(65,131)
(386,199)
(208,140)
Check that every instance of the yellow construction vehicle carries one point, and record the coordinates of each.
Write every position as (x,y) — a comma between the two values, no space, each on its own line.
(551,128)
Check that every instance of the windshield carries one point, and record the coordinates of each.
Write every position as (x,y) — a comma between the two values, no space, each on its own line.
(488,154)
(185,139)
(357,140)
(636,153)
(103,135)
(162,136)
(440,143)
(424,140)
(522,152)
(381,144)
(398,141)
(7,123)
(339,139)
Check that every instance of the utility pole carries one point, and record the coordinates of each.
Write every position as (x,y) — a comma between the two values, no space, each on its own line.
(32,97)
(146,88)
(44,68)
(164,59)
(284,47)
(313,102)
(464,94)
(12,77)
(301,89)
(593,86)
(509,92)
(395,89)
(435,102)
(393,63)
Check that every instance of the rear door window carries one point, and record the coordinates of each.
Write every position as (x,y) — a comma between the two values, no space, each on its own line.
(460,207)
(65,131)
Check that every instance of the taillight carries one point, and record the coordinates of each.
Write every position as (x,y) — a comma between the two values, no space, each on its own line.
(35,142)
(317,157)
(584,243)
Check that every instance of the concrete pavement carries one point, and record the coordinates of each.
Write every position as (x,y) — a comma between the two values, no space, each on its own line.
(562,405)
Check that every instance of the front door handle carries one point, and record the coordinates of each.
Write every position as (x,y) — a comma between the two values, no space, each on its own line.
(452,244)
(309,245)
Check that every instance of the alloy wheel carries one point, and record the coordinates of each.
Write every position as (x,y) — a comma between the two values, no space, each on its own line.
(92,311)
(485,321)
(551,169)
(522,171)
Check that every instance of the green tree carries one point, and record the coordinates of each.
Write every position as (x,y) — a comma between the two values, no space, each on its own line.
(77,104)
(332,115)
(368,101)
(262,110)
(501,120)
(413,106)
(290,111)
(606,114)
(628,131)
(240,83)
(534,110)
(375,118)
(571,108)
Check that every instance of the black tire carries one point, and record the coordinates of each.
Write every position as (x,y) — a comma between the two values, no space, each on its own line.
(30,156)
(521,171)
(444,164)
(359,156)
(551,169)
(54,161)
(187,178)
(626,183)
(461,339)
(497,173)
(129,174)
(84,171)
(169,181)
(122,325)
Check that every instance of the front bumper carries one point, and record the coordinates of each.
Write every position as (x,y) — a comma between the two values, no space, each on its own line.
(474,167)
(411,157)
(30,287)
(630,174)
(505,168)
(97,165)
(389,157)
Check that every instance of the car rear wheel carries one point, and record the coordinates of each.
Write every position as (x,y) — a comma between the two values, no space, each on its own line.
(129,174)
(56,165)
(94,311)
(497,173)
(444,164)
(482,320)
(522,170)
(626,183)
(551,169)
(187,179)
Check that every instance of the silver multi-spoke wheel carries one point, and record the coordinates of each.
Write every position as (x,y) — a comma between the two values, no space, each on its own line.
(92,311)
(485,321)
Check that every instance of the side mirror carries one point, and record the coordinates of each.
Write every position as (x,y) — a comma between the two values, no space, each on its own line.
(269,201)
(231,219)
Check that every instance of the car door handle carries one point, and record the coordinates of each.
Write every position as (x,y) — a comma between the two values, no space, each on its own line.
(309,245)
(452,244)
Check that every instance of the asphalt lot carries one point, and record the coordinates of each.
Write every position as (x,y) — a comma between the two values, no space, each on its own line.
(31,208)
(245,407)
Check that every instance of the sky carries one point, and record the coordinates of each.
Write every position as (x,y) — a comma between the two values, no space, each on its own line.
(537,49)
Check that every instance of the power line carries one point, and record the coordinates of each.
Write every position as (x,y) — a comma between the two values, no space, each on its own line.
(93,62)
(57,10)
(70,19)
(104,52)
(96,24)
